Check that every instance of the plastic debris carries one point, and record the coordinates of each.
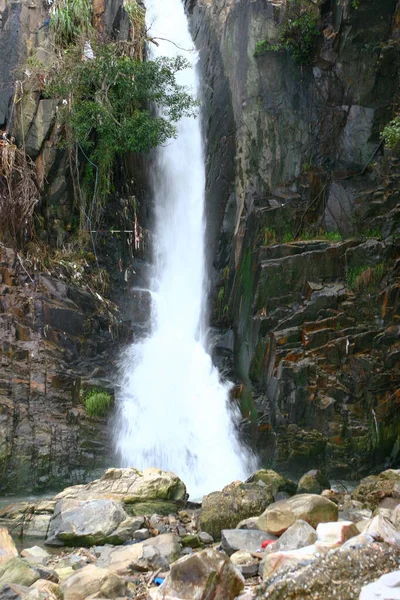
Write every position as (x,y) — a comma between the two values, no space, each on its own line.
(267,543)
(159,580)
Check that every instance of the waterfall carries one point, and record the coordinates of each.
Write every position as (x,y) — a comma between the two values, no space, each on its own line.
(174,409)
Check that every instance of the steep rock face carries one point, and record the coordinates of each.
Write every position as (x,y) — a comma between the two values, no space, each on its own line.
(56,341)
(305,227)
(58,337)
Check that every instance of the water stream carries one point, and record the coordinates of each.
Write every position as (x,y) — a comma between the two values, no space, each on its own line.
(174,408)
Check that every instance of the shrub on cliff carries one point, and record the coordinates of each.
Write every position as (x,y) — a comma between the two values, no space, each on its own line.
(98,403)
(297,36)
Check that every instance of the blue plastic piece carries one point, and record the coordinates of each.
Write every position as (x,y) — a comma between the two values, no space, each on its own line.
(159,580)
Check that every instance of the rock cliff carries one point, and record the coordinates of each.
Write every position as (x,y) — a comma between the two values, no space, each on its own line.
(303,207)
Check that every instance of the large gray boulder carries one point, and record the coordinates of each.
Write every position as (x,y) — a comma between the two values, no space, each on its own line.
(233,540)
(141,492)
(313,509)
(85,522)
(208,574)
(237,501)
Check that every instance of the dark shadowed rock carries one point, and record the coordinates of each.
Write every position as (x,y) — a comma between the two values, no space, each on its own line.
(237,501)
(313,482)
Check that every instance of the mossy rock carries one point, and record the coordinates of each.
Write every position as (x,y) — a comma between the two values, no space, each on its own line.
(151,507)
(236,502)
(272,479)
(372,490)
(313,482)
(191,541)
(18,571)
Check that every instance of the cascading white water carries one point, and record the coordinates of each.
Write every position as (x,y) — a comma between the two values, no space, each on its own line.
(174,410)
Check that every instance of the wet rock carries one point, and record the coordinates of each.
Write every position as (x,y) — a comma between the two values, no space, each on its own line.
(92,580)
(246,563)
(298,535)
(207,574)
(233,540)
(274,480)
(7,546)
(372,490)
(313,482)
(336,533)
(308,507)
(17,570)
(237,501)
(386,587)
(85,522)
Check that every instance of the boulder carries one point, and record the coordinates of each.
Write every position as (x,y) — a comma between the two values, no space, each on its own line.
(7,546)
(372,490)
(237,501)
(272,479)
(313,509)
(164,549)
(386,587)
(35,555)
(92,580)
(85,522)
(336,533)
(246,563)
(298,535)
(143,492)
(233,540)
(277,560)
(313,482)
(208,574)
(18,570)
(382,530)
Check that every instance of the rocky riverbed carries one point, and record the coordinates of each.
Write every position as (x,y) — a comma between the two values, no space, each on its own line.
(133,534)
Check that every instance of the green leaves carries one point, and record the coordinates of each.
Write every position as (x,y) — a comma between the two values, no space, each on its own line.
(298,36)
(391,133)
(115,104)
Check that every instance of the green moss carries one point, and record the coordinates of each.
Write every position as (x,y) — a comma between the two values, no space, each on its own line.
(365,278)
(98,403)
